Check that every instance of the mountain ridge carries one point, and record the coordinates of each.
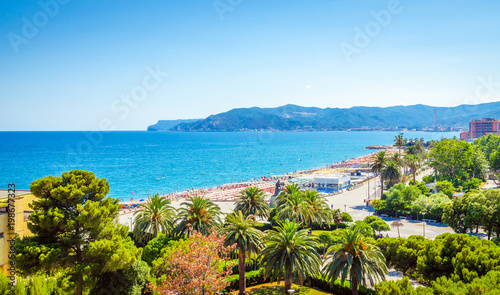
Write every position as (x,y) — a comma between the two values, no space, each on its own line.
(292,117)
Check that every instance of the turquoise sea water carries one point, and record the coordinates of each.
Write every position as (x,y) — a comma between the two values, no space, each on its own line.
(132,161)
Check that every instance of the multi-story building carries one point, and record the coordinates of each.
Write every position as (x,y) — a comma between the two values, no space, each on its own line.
(478,128)
(14,212)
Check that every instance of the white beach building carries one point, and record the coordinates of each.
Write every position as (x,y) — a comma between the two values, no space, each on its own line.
(332,182)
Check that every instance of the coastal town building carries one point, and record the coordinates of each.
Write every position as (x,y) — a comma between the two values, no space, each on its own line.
(14,212)
(478,128)
(332,183)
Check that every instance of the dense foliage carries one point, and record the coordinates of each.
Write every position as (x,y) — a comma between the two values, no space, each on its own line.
(73,231)
(356,257)
(290,252)
(459,162)
(153,217)
(474,210)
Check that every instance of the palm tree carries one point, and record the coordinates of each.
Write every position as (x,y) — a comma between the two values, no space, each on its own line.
(397,223)
(295,207)
(391,172)
(198,214)
(399,141)
(397,157)
(377,163)
(413,163)
(251,202)
(337,217)
(355,256)
(320,212)
(153,217)
(240,230)
(290,251)
(289,190)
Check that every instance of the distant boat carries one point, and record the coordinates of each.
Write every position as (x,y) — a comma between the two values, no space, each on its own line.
(157,179)
(202,173)
(281,163)
(300,159)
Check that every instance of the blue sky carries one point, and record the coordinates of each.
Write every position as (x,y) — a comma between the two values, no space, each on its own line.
(87,64)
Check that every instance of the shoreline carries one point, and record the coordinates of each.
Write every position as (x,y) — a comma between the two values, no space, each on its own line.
(228,192)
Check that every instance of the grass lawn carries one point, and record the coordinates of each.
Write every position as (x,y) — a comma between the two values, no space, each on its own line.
(279,289)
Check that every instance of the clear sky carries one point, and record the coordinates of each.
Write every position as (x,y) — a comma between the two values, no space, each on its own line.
(73,65)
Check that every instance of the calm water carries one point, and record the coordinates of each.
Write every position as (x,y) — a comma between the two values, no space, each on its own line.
(132,161)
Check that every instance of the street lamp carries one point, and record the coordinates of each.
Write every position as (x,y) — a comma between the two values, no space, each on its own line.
(423,220)
(345,208)
(130,223)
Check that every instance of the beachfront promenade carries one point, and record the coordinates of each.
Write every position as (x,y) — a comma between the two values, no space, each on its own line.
(353,202)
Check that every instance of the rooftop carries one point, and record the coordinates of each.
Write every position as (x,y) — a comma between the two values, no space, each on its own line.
(4,193)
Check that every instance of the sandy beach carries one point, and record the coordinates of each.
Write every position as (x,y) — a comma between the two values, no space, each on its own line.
(354,203)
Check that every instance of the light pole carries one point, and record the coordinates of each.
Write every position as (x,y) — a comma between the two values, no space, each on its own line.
(345,208)
(368,189)
(130,223)
(423,220)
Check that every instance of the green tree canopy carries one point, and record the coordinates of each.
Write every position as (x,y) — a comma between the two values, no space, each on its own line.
(355,257)
(457,161)
(434,204)
(400,197)
(240,230)
(391,172)
(152,250)
(458,256)
(290,252)
(295,207)
(73,230)
(377,223)
(401,253)
(198,214)
(445,187)
(251,201)
(153,217)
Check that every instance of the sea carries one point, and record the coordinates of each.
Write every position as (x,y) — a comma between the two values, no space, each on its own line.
(140,163)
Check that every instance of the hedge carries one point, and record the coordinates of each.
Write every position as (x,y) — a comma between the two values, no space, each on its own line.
(320,282)
(337,288)
(255,277)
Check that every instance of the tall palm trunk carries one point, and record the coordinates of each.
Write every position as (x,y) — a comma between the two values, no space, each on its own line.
(288,280)
(354,285)
(241,272)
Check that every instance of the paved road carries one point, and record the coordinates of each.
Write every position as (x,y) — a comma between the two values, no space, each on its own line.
(353,203)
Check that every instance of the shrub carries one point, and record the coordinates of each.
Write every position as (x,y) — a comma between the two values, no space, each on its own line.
(152,250)
(255,277)
(37,284)
(428,179)
(324,283)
